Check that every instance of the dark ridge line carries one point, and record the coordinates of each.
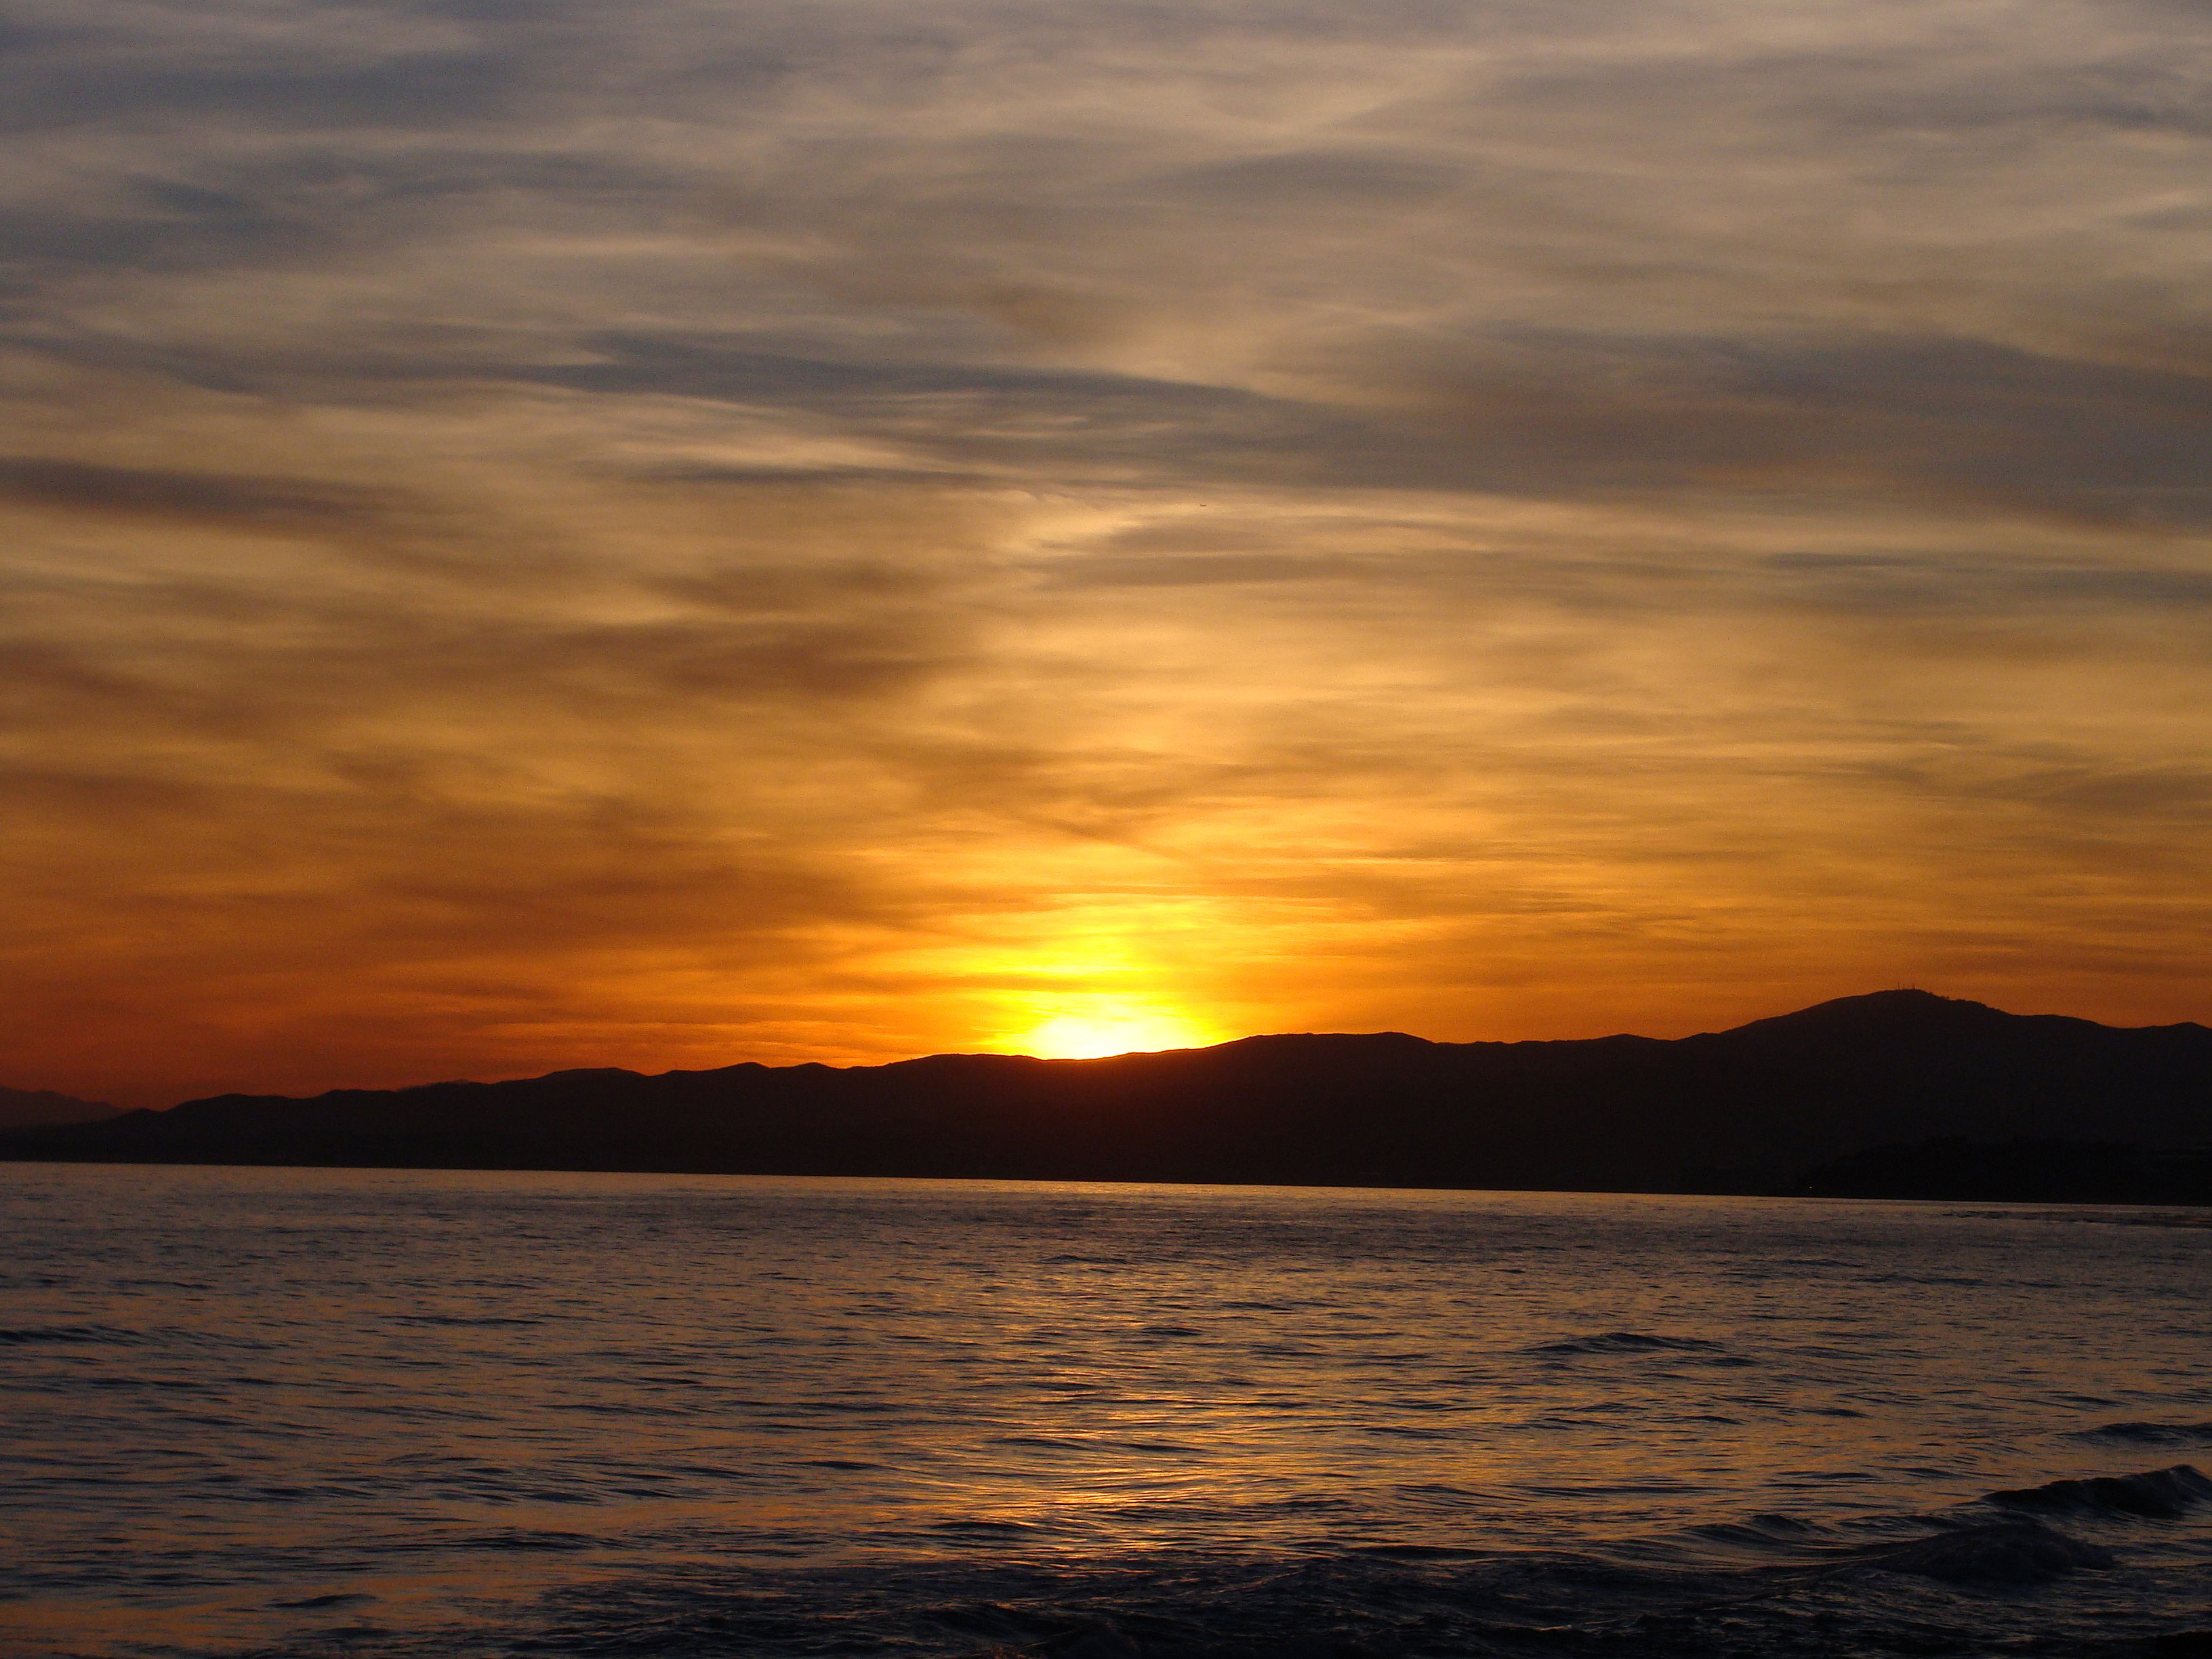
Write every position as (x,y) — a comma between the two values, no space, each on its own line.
(1899,1094)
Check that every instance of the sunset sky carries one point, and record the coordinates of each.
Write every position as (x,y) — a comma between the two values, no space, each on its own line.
(542,533)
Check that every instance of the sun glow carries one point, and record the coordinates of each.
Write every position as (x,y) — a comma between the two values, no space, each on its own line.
(1110,1028)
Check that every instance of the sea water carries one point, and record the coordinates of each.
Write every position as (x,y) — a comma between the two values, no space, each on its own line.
(316,1411)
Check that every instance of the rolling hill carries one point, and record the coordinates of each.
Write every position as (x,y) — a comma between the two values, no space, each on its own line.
(1746,1110)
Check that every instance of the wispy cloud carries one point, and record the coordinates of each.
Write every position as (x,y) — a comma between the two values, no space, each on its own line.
(543,535)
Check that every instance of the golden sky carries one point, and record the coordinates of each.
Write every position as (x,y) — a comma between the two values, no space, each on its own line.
(562,534)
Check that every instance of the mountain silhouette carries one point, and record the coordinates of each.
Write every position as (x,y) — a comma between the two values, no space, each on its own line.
(1746,1110)
(23,1109)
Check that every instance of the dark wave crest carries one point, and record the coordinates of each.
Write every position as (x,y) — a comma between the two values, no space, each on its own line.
(2002,1552)
(1627,1342)
(1978,1581)
(2163,1494)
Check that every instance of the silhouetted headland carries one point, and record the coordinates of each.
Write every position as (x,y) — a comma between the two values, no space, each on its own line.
(1745,1110)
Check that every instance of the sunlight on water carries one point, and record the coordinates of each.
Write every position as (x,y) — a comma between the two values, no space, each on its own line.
(457,1412)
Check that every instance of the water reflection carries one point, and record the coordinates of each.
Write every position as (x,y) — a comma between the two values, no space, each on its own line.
(243,1393)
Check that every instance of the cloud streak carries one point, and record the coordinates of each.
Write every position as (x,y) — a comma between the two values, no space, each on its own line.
(536,538)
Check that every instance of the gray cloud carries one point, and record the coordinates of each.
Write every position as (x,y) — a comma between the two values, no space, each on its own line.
(214,497)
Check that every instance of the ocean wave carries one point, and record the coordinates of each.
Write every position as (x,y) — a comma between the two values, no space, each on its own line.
(1962,1583)
(2149,1434)
(1627,1342)
(2164,1494)
(466,1320)
(517,1538)
(742,1412)
(2001,1552)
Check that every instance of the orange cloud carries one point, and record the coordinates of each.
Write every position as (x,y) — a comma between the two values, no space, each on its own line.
(1126,525)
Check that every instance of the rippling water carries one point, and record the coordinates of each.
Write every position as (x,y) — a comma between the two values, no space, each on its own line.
(286,1411)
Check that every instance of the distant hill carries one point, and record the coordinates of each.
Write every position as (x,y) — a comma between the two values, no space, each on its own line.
(23,1108)
(1749,1109)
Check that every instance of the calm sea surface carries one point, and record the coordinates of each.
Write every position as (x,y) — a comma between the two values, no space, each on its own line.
(287,1412)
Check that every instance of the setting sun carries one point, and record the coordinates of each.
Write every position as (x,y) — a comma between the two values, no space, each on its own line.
(1113,1029)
